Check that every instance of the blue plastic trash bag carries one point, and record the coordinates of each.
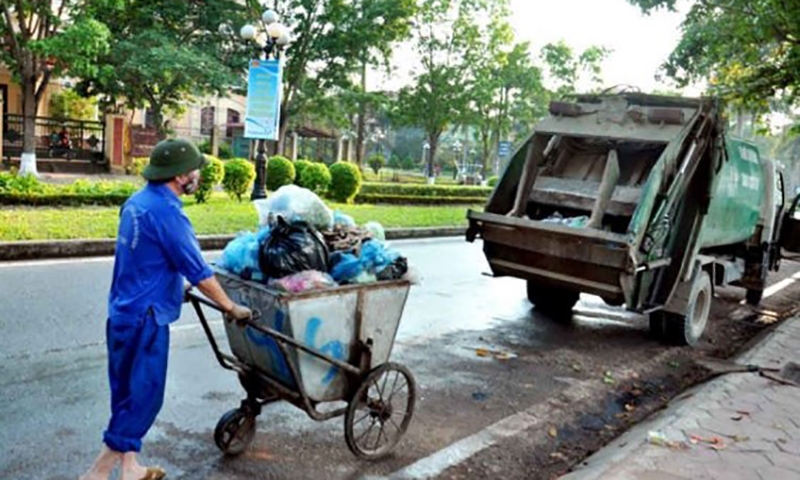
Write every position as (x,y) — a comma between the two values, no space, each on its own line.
(345,267)
(241,256)
(375,256)
(343,219)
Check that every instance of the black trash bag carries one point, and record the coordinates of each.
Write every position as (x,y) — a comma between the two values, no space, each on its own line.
(395,270)
(292,248)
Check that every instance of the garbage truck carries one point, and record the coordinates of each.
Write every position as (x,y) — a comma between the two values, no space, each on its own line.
(642,200)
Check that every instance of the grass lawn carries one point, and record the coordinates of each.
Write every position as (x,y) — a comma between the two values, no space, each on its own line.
(219,216)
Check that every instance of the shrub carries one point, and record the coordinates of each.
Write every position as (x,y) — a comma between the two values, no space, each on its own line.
(27,190)
(299,166)
(409,164)
(210,176)
(317,178)
(345,181)
(493,180)
(24,184)
(224,151)
(376,162)
(85,188)
(138,165)
(239,176)
(280,172)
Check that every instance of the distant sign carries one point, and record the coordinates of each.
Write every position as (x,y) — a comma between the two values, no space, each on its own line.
(264,85)
(503,149)
(143,140)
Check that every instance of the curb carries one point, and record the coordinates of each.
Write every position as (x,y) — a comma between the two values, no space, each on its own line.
(35,250)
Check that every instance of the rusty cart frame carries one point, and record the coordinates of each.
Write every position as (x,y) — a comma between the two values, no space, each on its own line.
(273,364)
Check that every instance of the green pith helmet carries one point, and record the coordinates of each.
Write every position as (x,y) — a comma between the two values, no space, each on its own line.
(173,157)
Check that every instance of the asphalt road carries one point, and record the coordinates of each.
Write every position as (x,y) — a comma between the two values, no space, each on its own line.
(54,393)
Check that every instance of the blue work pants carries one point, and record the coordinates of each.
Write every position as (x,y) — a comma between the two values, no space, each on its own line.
(137,373)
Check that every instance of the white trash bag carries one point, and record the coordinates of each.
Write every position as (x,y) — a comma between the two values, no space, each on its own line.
(294,204)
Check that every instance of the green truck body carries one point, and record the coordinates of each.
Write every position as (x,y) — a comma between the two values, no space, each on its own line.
(642,200)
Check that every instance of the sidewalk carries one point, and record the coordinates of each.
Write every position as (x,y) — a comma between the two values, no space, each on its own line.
(756,421)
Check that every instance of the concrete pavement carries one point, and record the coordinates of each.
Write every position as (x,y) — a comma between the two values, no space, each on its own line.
(739,426)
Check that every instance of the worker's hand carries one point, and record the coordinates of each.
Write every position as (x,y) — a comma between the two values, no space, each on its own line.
(187,287)
(239,314)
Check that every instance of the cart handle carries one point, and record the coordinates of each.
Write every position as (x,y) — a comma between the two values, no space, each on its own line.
(196,300)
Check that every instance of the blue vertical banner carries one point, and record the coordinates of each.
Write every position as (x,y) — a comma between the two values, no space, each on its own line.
(503,149)
(264,87)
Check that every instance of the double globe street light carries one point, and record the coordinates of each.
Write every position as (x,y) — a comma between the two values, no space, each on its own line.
(277,38)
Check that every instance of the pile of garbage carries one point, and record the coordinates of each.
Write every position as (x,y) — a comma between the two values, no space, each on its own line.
(302,245)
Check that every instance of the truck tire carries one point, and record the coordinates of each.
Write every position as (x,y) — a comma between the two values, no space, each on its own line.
(554,302)
(688,327)
(754,296)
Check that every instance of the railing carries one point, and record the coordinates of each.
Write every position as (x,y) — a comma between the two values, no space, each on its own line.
(56,138)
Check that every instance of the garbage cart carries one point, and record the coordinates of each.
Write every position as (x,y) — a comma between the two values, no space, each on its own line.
(314,348)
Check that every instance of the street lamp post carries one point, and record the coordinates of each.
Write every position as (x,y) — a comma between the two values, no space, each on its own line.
(277,37)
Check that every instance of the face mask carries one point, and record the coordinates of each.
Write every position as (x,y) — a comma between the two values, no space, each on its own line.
(192,184)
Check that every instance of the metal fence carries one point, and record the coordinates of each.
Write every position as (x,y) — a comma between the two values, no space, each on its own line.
(56,138)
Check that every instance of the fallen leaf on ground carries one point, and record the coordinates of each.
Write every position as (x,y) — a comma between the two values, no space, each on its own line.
(739,438)
(552,432)
(629,407)
(737,418)
(559,456)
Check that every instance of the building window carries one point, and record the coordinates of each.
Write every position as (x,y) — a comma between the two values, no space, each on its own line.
(234,119)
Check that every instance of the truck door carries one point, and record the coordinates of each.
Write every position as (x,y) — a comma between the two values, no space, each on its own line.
(790,230)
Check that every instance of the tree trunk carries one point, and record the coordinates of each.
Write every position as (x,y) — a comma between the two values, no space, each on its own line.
(362,118)
(433,141)
(28,160)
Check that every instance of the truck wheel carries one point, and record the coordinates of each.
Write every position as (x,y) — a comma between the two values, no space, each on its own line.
(554,302)
(687,328)
(754,296)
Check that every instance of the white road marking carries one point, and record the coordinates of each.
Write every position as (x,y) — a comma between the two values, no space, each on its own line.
(59,261)
(773,289)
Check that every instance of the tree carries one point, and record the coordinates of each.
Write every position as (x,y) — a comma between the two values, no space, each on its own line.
(436,99)
(41,40)
(748,50)
(163,52)
(68,104)
(384,22)
(505,88)
(332,40)
(568,70)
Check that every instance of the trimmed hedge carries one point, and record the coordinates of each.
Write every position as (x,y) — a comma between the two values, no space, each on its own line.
(316,178)
(280,172)
(239,177)
(392,189)
(299,166)
(62,199)
(418,200)
(346,181)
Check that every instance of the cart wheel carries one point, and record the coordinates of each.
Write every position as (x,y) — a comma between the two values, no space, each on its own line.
(235,430)
(380,411)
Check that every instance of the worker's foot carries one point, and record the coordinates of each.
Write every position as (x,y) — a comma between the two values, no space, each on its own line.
(131,470)
(103,465)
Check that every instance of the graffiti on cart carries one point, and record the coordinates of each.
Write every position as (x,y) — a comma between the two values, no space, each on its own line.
(279,366)
(334,348)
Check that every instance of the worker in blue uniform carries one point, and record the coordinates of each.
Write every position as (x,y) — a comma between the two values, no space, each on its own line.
(156,250)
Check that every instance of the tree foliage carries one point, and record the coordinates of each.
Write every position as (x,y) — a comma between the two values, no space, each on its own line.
(332,40)
(748,50)
(568,69)
(437,96)
(40,40)
(163,52)
(505,88)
